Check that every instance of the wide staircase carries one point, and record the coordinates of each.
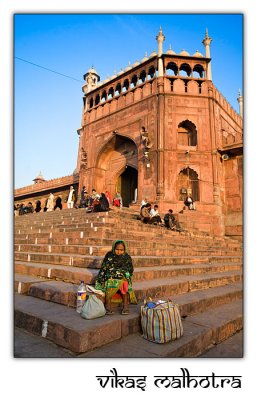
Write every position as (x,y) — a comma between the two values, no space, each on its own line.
(54,251)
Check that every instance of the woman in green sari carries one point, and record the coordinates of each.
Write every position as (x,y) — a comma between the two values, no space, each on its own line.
(114,277)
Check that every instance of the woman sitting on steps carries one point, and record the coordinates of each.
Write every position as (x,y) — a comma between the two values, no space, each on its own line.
(114,278)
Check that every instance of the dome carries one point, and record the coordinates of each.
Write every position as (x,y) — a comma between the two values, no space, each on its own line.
(184,53)
(145,58)
(128,67)
(92,71)
(153,54)
(136,63)
(39,178)
(121,72)
(197,54)
(114,75)
(170,51)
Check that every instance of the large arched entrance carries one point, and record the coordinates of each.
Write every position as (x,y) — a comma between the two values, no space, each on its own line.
(117,168)
(127,185)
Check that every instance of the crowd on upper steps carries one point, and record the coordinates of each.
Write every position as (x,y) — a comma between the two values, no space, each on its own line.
(95,202)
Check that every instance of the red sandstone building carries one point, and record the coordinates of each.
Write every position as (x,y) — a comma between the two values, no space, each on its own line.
(160,129)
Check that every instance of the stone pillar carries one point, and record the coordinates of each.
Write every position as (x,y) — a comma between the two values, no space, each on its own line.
(160,119)
(240,101)
(160,39)
(160,139)
(206,42)
(220,228)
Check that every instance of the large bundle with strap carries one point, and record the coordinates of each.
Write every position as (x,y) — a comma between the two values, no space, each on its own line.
(161,321)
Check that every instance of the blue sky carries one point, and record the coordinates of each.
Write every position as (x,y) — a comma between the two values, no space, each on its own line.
(48,106)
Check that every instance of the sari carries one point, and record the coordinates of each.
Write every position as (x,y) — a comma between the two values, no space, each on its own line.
(115,276)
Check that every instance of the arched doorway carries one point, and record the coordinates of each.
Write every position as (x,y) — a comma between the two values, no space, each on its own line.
(188,184)
(117,168)
(127,185)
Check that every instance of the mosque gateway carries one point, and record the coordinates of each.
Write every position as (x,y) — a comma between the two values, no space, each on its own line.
(160,129)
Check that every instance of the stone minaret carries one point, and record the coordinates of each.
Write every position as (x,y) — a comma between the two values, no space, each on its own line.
(91,78)
(240,102)
(207,41)
(160,39)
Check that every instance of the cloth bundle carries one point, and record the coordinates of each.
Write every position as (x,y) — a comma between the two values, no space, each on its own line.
(161,321)
(93,308)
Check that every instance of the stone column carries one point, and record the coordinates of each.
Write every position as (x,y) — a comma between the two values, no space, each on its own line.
(207,41)
(220,229)
(160,139)
(160,119)
(160,39)
(240,101)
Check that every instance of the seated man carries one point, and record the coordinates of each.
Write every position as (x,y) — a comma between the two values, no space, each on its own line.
(145,213)
(143,203)
(154,212)
(189,203)
(171,222)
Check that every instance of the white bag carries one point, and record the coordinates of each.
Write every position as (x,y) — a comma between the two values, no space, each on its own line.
(93,308)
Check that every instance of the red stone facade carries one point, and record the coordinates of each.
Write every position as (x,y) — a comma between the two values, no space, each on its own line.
(41,190)
(160,129)
(165,135)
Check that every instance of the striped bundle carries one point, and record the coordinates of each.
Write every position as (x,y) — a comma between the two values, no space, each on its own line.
(161,323)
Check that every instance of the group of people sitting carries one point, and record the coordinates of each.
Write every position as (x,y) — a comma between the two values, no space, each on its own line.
(150,215)
(21,209)
(98,202)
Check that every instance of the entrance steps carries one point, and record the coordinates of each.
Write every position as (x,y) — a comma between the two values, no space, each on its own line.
(202,273)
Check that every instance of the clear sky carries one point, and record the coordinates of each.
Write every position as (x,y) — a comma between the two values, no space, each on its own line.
(48,106)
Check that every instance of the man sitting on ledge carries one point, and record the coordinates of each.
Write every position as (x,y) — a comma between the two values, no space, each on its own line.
(171,222)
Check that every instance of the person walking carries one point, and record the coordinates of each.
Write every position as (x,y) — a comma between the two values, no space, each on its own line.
(71,197)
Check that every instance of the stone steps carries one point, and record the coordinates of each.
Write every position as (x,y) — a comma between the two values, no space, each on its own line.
(75,275)
(159,287)
(101,250)
(169,243)
(202,273)
(65,327)
(195,221)
(201,332)
(91,261)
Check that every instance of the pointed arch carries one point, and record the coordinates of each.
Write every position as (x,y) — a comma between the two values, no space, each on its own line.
(187,133)
(188,183)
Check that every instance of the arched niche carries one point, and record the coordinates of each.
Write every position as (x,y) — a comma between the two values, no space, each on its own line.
(179,86)
(187,133)
(188,184)
(192,87)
